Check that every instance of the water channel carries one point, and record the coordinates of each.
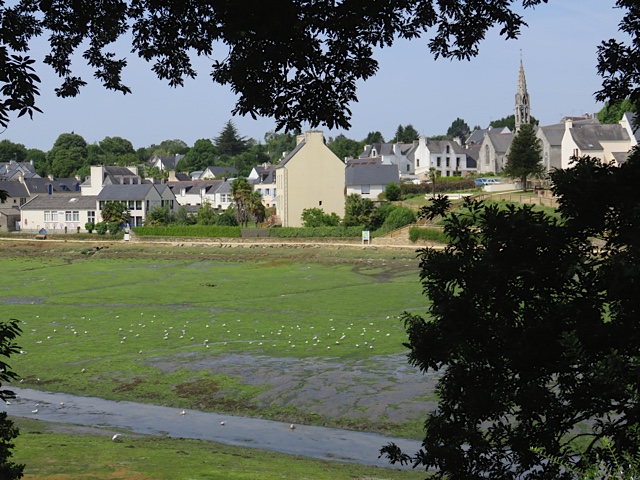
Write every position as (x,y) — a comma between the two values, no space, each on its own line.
(139,418)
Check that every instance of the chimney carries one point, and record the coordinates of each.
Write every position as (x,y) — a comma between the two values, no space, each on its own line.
(172,176)
(50,177)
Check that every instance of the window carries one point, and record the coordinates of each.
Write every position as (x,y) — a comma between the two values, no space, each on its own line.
(448,162)
(162,203)
(171,204)
(91,216)
(76,216)
(147,205)
(365,189)
(131,204)
(67,216)
(138,204)
(448,149)
(417,162)
(54,216)
(47,216)
(138,221)
(486,155)
(320,203)
(101,205)
(438,162)
(408,168)
(274,192)
(457,162)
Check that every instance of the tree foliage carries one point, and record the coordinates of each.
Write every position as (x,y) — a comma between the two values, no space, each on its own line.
(241,192)
(373,137)
(229,141)
(344,147)
(12,151)
(357,211)
(68,155)
(199,157)
(459,128)
(534,330)
(296,61)
(9,331)
(392,191)
(525,155)
(613,112)
(405,134)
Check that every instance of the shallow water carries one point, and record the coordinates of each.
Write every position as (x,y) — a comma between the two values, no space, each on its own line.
(139,418)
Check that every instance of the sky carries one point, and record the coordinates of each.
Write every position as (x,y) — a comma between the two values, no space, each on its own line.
(558,51)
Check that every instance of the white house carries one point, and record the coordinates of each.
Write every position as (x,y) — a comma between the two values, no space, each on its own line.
(609,142)
(448,157)
(139,198)
(369,177)
(263,179)
(54,213)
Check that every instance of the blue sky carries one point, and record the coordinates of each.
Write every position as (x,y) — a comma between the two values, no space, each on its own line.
(558,53)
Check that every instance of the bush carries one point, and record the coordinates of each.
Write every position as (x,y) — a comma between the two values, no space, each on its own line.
(228,218)
(101,228)
(89,226)
(443,184)
(428,234)
(316,217)
(398,218)
(113,227)
(393,192)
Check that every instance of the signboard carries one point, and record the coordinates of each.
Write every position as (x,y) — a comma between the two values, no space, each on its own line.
(365,237)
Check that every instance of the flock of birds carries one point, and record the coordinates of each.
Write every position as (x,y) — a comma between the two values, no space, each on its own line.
(332,334)
(337,333)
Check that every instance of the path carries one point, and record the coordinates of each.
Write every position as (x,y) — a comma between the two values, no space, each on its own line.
(317,442)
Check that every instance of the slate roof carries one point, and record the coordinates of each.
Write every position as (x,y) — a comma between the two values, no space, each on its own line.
(168,162)
(478,134)
(125,192)
(195,185)
(61,202)
(501,142)
(440,146)
(266,174)
(11,167)
(60,185)
(473,154)
(14,189)
(632,118)
(370,171)
(621,157)
(588,137)
(384,149)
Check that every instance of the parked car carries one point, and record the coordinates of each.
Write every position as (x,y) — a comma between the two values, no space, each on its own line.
(488,181)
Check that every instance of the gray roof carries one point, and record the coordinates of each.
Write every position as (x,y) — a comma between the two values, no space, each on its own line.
(61,202)
(266,174)
(125,192)
(14,189)
(169,162)
(370,171)
(588,137)
(440,146)
(193,184)
(384,149)
(8,168)
(59,185)
(632,118)
(621,157)
(478,134)
(501,142)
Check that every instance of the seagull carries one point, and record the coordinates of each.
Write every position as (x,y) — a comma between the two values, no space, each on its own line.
(223,423)
(292,426)
(8,402)
(183,412)
(116,438)
(34,411)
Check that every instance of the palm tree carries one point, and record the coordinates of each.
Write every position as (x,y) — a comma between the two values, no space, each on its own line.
(115,212)
(241,193)
(256,208)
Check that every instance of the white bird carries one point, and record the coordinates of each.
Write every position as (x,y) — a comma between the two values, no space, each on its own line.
(183,412)
(116,438)
(223,423)
(34,411)
(8,402)
(292,426)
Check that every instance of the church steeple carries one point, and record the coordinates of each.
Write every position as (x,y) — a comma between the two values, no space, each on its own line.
(523,107)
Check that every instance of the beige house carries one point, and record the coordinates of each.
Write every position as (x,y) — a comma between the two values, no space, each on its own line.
(311,176)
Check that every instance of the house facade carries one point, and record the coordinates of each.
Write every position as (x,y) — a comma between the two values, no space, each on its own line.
(369,177)
(311,176)
(58,213)
(609,142)
(447,157)
(140,199)
(263,179)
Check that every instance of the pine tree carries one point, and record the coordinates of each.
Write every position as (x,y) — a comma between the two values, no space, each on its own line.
(229,142)
(525,155)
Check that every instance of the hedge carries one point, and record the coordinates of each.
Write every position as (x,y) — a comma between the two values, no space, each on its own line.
(428,234)
(211,231)
(316,232)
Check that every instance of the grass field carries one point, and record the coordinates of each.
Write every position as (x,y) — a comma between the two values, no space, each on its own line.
(137,323)
(55,452)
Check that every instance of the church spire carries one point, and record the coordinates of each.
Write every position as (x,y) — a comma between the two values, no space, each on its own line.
(523,107)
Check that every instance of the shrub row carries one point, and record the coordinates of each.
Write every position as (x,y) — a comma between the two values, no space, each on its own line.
(428,234)
(450,184)
(316,232)
(212,231)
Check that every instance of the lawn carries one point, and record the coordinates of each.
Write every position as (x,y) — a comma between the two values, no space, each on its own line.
(58,452)
(151,324)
